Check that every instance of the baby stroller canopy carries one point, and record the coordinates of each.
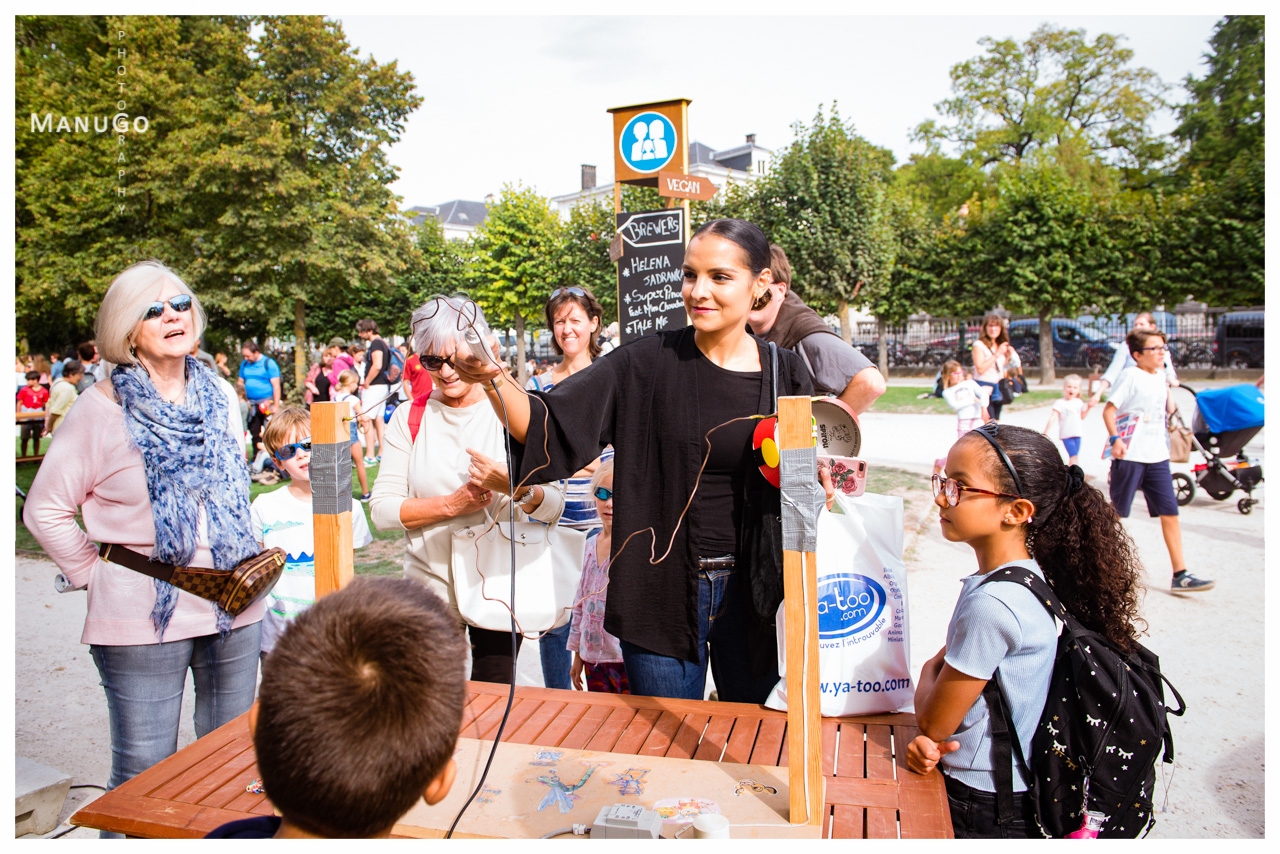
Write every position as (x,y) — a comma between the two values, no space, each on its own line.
(1237,407)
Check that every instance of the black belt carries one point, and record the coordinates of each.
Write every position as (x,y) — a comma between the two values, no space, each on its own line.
(722,562)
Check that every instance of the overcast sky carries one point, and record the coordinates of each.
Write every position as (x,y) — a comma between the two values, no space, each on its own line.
(509,99)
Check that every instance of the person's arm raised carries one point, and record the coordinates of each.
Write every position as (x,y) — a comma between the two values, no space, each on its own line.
(510,402)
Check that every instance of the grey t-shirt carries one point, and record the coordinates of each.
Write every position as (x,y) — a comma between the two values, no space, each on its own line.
(1003,625)
(831,362)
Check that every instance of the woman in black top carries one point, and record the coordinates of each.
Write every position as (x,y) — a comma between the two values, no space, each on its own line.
(678,586)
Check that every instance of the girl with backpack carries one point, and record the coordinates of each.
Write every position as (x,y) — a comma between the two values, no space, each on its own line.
(1007,494)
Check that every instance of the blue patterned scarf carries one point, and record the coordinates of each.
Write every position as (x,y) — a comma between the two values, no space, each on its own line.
(191,461)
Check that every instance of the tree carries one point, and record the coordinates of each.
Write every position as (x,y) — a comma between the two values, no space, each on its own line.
(302,173)
(1055,86)
(1044,247)
(825,202)
(585,262)
(515,261)
(1218,241)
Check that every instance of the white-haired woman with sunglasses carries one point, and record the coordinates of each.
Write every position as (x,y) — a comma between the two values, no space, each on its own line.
(450,471)
(153,457)
(573,316)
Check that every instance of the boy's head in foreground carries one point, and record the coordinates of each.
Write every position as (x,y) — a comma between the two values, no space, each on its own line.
(359,709)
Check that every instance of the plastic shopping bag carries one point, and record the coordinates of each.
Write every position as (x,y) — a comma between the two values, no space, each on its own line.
(864,649)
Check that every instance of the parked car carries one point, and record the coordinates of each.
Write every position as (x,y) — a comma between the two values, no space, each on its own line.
(1075,345)
(1238,342)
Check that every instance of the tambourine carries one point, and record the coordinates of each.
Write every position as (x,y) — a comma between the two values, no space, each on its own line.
(836,434)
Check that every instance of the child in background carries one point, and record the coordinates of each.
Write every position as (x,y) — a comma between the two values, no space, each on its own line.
(283,517)
(595,651)
(1070,412)
(32,398)
(348,382)
(358,714)
(966,397)
(1008,495)
(63,395)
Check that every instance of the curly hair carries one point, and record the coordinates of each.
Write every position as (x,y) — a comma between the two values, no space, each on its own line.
(1087,556)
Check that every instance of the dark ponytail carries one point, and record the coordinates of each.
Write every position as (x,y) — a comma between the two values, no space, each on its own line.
(1075,536)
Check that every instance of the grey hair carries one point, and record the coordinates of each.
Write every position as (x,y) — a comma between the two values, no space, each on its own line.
(444,320)
(126,301)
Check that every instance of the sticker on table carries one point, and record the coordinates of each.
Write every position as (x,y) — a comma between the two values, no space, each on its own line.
(684,810)
(630,782)
(752,787)
(547,757)
(560,793)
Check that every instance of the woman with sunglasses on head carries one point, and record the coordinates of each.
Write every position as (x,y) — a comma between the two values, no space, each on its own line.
(573,316)
(1007,494)
(684,589)
(153,457)
(448,471)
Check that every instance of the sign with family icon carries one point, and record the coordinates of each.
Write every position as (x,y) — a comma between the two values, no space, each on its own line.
(648,142)
(649,138)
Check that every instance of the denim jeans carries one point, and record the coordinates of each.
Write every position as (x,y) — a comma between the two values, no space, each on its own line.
(722,624)
(144,692)
(556,658)
(973,814)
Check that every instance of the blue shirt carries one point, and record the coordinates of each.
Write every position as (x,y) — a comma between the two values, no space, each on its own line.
(1002,625)
(257,378)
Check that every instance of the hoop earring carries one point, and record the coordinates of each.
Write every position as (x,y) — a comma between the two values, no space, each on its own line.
(762,300)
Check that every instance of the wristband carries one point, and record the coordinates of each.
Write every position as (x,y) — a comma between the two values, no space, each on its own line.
(1112,439)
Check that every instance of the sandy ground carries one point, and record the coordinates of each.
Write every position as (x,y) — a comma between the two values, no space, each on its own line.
(1210,646)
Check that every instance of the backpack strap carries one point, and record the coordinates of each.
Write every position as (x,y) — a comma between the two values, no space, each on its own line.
(415,418)
(1004,747)
(1037,585)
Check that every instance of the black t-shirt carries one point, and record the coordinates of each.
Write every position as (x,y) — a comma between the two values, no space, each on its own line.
(377,345)
(322,387)
(722,396)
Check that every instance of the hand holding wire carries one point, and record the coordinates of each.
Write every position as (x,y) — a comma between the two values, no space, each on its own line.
(487,473)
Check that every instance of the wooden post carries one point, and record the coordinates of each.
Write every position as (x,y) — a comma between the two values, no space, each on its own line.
(331,495)
(800,591)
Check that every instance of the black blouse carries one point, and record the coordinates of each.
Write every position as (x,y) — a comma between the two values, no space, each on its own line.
(643,399)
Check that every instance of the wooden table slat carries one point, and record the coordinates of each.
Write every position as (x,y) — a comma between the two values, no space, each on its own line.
(475,708)
(586,727)
(852,791)
(190,785)
(768,749)
(637,731)
(714,738)
(236,775)
(919,796)
(531,730)
(830,735)
(741,740)
(661,736)
(848,822)
(611,730)
(688,737)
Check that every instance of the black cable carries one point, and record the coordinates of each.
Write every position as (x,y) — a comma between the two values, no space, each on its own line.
(511,693)
(89,786)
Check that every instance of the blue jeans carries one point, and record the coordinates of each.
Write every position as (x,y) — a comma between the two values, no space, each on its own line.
(556,658)
(144,692)
(722,624)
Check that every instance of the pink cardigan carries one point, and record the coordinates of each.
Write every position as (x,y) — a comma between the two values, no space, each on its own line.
(92,467)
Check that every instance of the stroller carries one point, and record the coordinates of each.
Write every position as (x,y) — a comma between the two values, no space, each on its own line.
(1225,421)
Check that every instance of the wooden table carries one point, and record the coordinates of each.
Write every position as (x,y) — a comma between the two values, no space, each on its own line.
(870,792)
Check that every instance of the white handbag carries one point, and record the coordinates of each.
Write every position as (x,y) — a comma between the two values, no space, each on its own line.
(548,565)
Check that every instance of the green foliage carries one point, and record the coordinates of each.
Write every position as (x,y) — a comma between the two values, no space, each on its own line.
(942,184)
(262,178)
(825,201)
(515,262)
(585,262)
(1053,87)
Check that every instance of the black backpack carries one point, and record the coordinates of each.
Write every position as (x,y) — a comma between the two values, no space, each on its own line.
(1102,729)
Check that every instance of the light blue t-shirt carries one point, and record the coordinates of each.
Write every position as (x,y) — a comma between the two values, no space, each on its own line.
(1004,625)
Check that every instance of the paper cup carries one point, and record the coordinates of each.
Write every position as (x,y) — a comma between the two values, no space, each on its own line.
(710,825)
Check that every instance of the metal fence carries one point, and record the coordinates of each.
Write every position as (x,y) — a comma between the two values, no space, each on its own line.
(1080,342)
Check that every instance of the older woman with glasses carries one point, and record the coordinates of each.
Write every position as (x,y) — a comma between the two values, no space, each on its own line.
(574,317)
(447,471)
(153,457)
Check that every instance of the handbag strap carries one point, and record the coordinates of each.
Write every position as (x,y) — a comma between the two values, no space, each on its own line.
(130,559)
(773,373)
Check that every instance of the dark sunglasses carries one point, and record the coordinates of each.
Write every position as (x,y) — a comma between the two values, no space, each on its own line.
(435,363)
(182,302)
(603,494)
(288,452)
(577,292)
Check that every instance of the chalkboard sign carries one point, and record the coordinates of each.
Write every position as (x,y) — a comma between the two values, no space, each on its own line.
(650,273)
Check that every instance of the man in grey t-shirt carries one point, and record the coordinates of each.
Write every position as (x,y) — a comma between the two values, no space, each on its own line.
(836,367)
